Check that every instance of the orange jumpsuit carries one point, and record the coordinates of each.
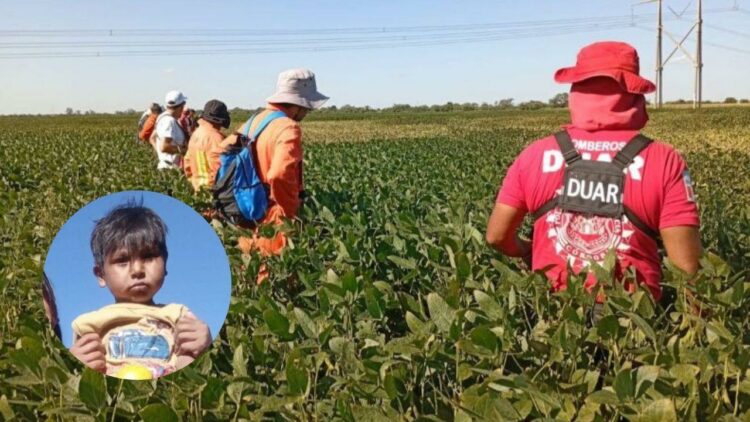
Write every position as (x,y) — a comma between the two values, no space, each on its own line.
(202,159)
(279,159)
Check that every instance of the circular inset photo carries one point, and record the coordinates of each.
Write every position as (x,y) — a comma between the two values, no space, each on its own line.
(137,284)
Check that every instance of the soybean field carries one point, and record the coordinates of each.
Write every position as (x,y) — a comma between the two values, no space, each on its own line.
(388,304)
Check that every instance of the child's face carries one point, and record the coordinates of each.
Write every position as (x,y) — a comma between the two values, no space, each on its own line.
(132,278)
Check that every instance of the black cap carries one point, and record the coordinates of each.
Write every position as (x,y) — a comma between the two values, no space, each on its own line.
(216,111)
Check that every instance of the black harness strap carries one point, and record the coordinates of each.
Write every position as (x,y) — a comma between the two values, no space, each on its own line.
(622,159)
(567,148)
(545,208)
(631,150)
(642,226)
(571,155)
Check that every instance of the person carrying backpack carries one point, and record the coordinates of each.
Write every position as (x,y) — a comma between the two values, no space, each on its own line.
(272,141)
(599,185)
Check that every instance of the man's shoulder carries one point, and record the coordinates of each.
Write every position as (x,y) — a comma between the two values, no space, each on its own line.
(282,128)
(208,133)
(536,148)
(165,119)
(661,147)
(543,142)
(660,155)
(283,122)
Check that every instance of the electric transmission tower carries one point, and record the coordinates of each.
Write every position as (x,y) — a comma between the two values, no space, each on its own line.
(696,58)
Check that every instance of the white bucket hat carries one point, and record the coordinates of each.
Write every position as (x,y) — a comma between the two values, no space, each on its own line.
(297,86)
(174,98)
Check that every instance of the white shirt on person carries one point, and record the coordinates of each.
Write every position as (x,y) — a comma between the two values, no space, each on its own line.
(167,127)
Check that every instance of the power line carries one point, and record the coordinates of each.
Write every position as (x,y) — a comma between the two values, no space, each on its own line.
(309,31)
(265,41)
(371,45)
(726,47)
(334,40)
(147,32)
(144,32)
(728,31)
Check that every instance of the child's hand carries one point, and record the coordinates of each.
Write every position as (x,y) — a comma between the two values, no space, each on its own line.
(90,350)
(192,335)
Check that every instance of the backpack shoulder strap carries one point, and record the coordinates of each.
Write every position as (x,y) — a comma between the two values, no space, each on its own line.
(566,147)
(249,123)
(263,123)
(628,153)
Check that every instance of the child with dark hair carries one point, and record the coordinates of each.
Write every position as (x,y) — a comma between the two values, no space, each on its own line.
(135,335)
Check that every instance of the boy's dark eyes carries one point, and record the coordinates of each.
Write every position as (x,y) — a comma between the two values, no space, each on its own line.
(120,259)
(125,259)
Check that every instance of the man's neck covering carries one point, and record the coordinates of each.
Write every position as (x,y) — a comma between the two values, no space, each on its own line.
(601,104)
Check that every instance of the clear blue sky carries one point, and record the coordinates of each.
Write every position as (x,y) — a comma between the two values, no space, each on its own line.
(198,270)
(460,72)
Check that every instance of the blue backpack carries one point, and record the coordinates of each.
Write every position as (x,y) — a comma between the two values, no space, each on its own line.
(239,195)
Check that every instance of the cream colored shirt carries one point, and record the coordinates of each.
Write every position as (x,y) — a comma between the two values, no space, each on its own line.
(133,333)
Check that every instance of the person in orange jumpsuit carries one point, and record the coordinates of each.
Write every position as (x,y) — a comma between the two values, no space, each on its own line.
(278,151)
(147,128)
(202,159)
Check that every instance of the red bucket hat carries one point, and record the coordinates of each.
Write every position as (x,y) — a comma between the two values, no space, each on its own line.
(616,60)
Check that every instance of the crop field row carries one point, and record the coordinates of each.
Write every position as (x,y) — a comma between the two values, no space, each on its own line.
(388,304)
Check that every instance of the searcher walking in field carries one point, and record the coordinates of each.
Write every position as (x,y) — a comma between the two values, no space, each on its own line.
(188,122)
(204,149)
(148,121)
(274,139)
(169,137)
(599,185)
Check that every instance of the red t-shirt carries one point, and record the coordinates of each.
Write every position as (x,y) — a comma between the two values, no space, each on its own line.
(658,189)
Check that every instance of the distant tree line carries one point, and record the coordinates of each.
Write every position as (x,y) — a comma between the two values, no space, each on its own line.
(70,112)
(558,101)
(727,100)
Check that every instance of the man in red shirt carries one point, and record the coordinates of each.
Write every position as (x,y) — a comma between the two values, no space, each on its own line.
(655,199)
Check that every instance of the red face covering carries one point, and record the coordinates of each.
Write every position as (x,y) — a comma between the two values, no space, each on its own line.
(602,104)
